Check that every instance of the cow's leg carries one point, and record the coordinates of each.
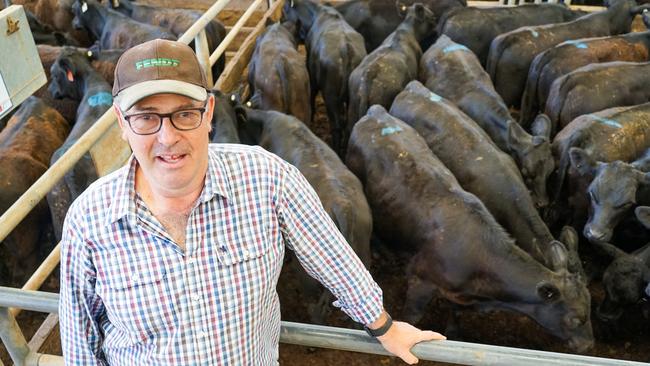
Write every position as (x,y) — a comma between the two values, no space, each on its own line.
(418,296)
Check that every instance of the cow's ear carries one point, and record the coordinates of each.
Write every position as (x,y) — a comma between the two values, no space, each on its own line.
(547,291)
(644,178)
(542,126)
(516,135)
(402,7)
(582,161)
(643,215)
(419,11)
(569,237)
(558,255)
(69,69)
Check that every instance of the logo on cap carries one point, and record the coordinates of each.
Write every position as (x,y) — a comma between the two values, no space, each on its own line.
(153,62)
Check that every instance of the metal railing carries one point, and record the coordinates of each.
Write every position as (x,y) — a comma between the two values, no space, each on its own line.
(316,336)
(12,300)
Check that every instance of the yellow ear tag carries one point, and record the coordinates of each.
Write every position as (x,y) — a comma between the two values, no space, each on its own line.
(69,75)
(84,7)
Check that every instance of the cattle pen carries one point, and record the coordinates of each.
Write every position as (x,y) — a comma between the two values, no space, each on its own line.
(103,143)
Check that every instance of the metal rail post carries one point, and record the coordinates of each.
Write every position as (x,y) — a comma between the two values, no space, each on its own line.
(203,55)
(14,341)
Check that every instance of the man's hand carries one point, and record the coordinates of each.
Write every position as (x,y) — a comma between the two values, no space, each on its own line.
(401,337)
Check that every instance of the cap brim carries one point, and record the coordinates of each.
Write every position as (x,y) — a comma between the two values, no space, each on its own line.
(131,95)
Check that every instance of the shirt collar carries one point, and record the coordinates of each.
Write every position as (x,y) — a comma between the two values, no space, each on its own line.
(216,183)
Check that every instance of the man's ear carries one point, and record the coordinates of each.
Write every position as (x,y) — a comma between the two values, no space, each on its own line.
(120,121)
(209,109)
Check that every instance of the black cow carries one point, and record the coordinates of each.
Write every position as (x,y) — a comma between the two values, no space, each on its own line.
(570,55)
(627,279)
(226,117)
(74,77)
(454,72)
(385,71)
(278,75)
(334,49)
(457,246)
(44,34)
(480,167)
(339,190)
(475,28)
(112,29)
(26,145)
(377,19)
(176,21)
(615,189)
(621,133)
(597,87)
(512,53)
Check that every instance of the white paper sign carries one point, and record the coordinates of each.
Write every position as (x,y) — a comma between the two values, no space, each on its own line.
(5,101)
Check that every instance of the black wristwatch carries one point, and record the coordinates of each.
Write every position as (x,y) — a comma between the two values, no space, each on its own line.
(381,330)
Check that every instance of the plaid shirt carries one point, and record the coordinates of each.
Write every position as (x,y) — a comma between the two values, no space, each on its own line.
(130,296)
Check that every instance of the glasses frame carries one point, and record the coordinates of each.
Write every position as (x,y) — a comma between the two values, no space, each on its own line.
(162,117)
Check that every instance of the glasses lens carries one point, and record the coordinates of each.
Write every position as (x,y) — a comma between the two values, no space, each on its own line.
(144,123)
(187,119)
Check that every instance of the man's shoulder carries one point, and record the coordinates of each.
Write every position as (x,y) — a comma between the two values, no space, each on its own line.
(247,156)
(100,194)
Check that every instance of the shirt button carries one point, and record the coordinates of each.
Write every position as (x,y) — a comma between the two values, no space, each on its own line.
(191,260)
(246,252)
(203,334)
(196,297)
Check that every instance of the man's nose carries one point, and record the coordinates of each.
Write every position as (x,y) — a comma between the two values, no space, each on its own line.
(168,134)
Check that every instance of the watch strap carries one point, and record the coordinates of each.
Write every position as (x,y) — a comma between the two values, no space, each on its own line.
(381,330)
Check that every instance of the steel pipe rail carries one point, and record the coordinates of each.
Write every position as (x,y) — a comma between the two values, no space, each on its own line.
(358,341)
(41,274)
(233,32)
(200,24)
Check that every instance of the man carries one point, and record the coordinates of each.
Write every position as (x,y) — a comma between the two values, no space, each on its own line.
(174,258)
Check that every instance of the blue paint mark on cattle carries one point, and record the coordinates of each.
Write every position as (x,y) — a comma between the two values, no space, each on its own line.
(578,44)
(534,33)
(454,47)
(101,98)
(435,97)
(390,130)
(606,121)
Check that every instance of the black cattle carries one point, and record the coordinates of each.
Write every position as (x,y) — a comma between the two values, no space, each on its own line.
(457,247)
(176,21)
(227,115)
(478,165)
(385,71)
(112,29)
(475,27)
(57,14)
(334,49)
(340,192)
(377,19)
(627,279)
(454,72)
(74,77)
(278,75)
(512,53)
(597,87)
(615,189)
(570,55)
(615,134)
(44,34)
(26,145)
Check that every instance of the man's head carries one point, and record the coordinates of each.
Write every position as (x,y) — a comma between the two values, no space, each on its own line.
(164,109)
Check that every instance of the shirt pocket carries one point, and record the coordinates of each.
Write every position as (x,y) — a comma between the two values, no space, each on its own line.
(140,299)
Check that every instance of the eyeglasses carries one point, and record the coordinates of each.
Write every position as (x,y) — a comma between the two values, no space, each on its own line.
(150,123)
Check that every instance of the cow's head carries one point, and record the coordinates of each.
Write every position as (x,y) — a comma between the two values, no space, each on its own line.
(562,303)
(302,13)
(423,20)
(79,10)
(627,279)
(612,192)
(65,72)
(533,156)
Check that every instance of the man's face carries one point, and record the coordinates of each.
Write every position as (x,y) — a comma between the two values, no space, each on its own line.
(170,162)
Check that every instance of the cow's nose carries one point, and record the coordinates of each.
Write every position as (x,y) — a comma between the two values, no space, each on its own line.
(594,234)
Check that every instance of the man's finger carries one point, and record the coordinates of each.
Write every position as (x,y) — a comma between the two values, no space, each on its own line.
(409,358)
(429,335)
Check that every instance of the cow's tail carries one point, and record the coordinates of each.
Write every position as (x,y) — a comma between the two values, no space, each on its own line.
(284,73)
(529,105)
(347,221)
(564,164)
(496,50)
(555,100)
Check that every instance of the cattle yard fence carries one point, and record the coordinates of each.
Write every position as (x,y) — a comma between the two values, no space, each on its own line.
(13,300)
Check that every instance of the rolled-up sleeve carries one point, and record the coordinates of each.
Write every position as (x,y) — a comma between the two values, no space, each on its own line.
(323,251)
(80,309)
